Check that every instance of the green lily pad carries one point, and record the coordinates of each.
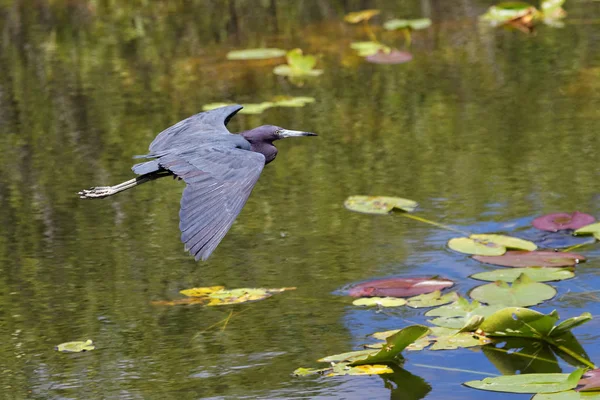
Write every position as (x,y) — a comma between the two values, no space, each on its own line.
(360,16)
(567,395)
(507,241)
(420,23)
(366,49)
(432,299)
(456,315)
(506,11)
(529,383)
(523,322)
(524,292)
(537,274)
(390,353)
(591,229)
(298,65)
(477,247)
(255,54)
(75,347)
(379,204)
(380,301)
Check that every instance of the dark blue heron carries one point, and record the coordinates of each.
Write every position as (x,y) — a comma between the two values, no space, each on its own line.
(219,169)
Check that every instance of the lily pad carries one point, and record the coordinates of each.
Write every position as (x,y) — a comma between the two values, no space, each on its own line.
(399,287)
(590,381)
(559,221)
(533,259)
(529,383)
(342,369)
(433,299)
(298,65)
(591,229)
(218,296)
(420,23)
(456,315)
(478,247)
(249,108)
(379,301)
(365,49)
(392,57)
(360,16)
(507,241)
(379,204)
(525,323)
(523,292)
(255,54)
(507,11)
(536,274)
(75,347)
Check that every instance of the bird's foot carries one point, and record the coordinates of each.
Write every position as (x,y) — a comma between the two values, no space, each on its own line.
(97,192)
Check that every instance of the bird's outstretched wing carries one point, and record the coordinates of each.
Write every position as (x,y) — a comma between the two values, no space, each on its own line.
(219,181)
(194,127)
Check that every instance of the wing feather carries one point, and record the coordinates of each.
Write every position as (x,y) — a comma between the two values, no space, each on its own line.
(219,180)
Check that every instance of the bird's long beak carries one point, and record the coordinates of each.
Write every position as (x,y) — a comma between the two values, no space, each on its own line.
(286,133)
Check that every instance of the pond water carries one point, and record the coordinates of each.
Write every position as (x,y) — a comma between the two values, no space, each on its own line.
(484,128)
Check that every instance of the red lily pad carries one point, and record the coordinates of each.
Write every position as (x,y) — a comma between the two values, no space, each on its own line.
(590,381)
(399,287)
(559,221)
(392,57)
(524,259)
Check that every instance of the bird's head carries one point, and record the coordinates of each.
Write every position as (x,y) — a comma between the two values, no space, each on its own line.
(261,139)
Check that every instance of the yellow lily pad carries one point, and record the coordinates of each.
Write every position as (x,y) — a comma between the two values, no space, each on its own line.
(298,65)
(476,247)
(379,204)
(201,291)
(591,229)
(507,241)
(366,49)
(255,54)
(380,301)
(360,16)
(218,296)
(75,347)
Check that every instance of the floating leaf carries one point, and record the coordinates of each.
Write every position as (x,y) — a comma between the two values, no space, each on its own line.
(532,259)
(590,381)
(365,49)
(507,241)
(536,274)
(288,101)
(342,369)
(559,221)
(348,356)
(255,54)
(298,65)
(432,299)
(456,315)
(591,229)
(379,204)
(75,347)
(523,322)
(360,16)
(201,291)
(390,352)
(529,383)
(523,292)
(399,287)
(392,57)
(218,295)
(379,301)
(420,23)
(508,11)
(478,247)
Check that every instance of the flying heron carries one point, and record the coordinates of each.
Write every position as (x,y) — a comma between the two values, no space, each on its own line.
(219,168)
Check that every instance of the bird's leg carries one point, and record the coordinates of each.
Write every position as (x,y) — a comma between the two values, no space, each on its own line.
(99,192)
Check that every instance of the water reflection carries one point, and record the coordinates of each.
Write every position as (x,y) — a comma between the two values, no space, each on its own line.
(481,125)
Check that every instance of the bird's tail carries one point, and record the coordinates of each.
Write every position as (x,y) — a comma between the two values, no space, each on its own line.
(146,167)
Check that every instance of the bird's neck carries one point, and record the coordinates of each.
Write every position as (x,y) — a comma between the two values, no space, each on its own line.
(266,149)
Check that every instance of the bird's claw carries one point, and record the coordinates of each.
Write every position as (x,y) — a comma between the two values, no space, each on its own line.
(96,192)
